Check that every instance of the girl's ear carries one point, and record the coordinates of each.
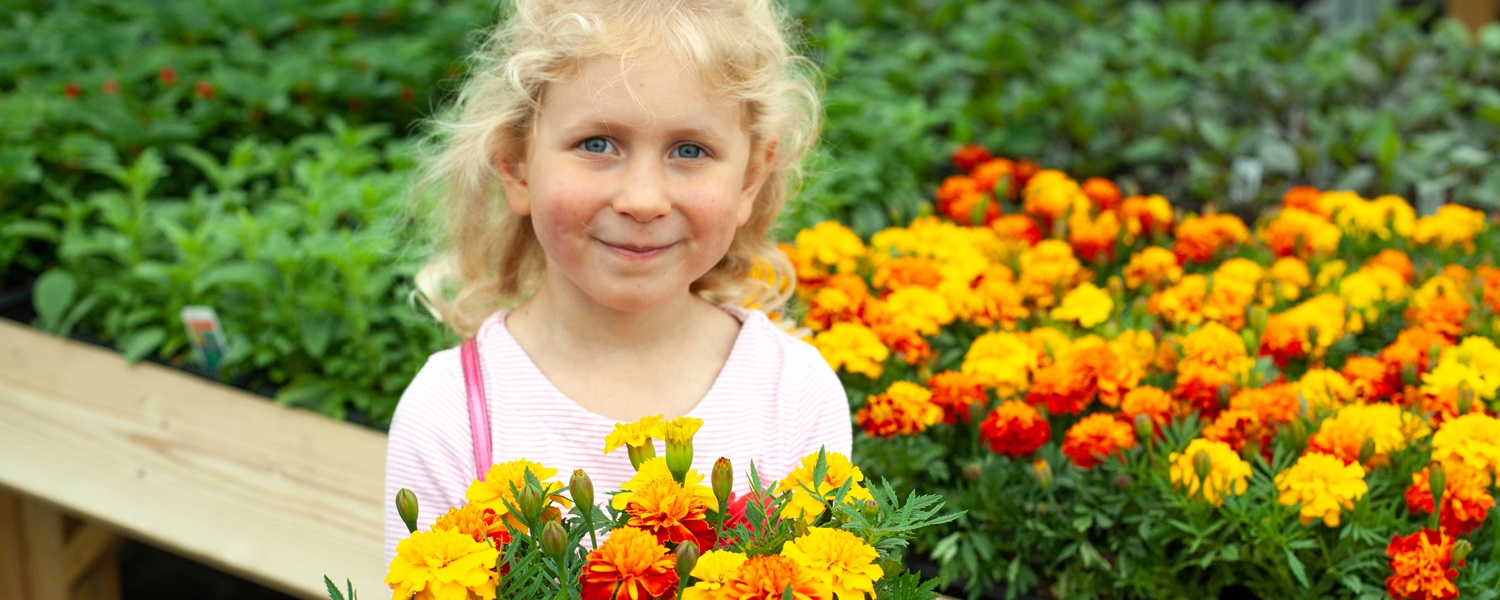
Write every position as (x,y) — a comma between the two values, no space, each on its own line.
(762,157)
(511,165)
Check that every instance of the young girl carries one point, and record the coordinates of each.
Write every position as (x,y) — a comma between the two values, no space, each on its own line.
(612,170)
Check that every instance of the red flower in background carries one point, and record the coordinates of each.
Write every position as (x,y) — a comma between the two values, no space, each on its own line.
(968,156)
(1015,429)
(167,76)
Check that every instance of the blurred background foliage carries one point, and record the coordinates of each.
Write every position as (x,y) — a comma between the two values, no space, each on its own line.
(255,155)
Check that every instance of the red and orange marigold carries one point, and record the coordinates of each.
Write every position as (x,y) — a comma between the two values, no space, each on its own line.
(631,563)
(1015,429)
(1422,566)
(1097,436)
(1466,498)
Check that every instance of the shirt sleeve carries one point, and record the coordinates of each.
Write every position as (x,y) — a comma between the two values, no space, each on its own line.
(822,405)
(429,449)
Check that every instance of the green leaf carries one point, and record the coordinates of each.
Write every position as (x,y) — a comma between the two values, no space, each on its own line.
(333,591)
(1297,569)
(1279,156)
(52,297)
(141,343)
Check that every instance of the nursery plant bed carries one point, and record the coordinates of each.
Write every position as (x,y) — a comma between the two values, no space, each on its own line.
(275,495)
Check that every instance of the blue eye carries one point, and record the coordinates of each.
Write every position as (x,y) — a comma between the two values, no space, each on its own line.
(689,151)
(596,144)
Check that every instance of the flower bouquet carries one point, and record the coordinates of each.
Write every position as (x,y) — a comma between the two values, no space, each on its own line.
(1128,400)
(819,533)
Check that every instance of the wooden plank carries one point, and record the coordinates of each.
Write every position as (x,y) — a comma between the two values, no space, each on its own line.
(12,553)
(276,495)
(42,534)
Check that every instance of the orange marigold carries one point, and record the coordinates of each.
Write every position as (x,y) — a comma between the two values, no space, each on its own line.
(990,173)
(1299,233)
(1466,498)
(1064,388)
(904,341)
(1237,427)
(1395,260)
(1095,437)
(1093,239)
(1200,238)
(905,271)
(1421,566)
(631,563)
(768,577)
(1181,304)
(955,392)
(1147,400)
(477,522)
(1305,197)
(672,513)
(1198,388)
(843,297)
(1102,193)
(1273,405)
(1050,194)
(904,409)
(1146,216)
(1015,429)
(1017,229)
(1153,266)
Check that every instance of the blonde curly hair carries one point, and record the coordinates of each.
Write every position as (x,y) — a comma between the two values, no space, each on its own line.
(488,257)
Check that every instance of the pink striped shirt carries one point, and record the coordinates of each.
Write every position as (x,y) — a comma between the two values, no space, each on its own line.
(775,401)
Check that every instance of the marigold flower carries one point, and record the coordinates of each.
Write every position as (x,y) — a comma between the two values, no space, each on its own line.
(955,392)
(713,570)
(1288,334)
(809,498)
(1472,441)
(991,300)
(1323,485)
(1044,268)
(1441,304)
(1017,230)
(841,298)
(908,344)
(1098,435)
(907,271)
(1015,429)
(1228,473)
(1102,193)
(667,510)
(842,560)
(1154,266)
(1300,233)
(1421,566)
(831,246)
(1237,427)
(1347,431)
(1452,225)
(1145,216)
(1216,346)
(474,521)
(1306,197)
(1382,217)
(1200,238)
(916,308)
(767,578)
(495,490)
(1049,344)
(1093,238)
(1086,305)
(1182,304)
(968,156)
(1001,361)
(638,433)
(1473,364)
(1466,499)
(1290,276)
(989,175)
(1147,400)
(905,408)
(1369,377)
(655,469)
(1273,404)
(443,563)
(1050,194)
(1324,390)
(853,348)
(631,563)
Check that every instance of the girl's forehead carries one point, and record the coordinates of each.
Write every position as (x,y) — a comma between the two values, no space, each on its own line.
(642,90)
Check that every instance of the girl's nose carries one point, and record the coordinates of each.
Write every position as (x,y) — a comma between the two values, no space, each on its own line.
(644,194)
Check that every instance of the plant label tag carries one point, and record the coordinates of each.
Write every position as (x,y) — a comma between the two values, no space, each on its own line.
(1244,182)
(207,337)
(1431,196)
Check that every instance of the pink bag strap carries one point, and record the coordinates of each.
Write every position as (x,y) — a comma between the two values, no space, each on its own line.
(479,410)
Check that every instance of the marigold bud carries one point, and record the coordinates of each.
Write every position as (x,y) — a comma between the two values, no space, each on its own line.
(1298,433)
(972,470)
(1465,398)
(1124,481)
(529,500)
(1312,337)
(640,454)
(554,539)
(406,506)
(687,558)
(1041,471)
(582,490)
(1144,427)
(679,458)
(1437,480)
(1367,450)
(869,509)
(1224,394)
(1433,353)
(1461,550)
(1203,465)
(722,479)
(1409,374)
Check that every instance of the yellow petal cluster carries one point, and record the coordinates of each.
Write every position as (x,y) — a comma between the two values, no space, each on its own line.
(1323,486)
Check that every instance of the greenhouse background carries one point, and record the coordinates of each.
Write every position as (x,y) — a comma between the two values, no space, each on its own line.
(256,157)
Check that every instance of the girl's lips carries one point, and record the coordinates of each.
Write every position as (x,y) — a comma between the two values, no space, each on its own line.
(636,252)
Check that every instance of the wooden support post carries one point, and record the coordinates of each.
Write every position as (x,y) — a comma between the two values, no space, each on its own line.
(46,555)
(1473,13)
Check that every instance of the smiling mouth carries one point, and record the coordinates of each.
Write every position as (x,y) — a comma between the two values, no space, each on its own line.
(633,252)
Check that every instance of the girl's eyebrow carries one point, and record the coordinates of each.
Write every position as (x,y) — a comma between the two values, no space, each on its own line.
(687,132)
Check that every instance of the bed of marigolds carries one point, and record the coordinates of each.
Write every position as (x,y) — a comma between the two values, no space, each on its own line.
(1130,401)
(819,533)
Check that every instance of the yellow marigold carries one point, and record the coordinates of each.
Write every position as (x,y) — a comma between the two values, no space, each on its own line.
(832,246)
(1154,265)
(1002,361)
(1216,346)
(445,564)
(1387,426)
(809,498)
(638,433)
(1227,473)
(655,469)
(1086,305)
(842,297)
(1472,441)
(1323,486)
(917,308)
(1137,345)
(1371,287)
(713,569)
(1044,268)
(1452,225)
(1051,194)
(1325,390)
(905,408)
(768,577)
(1290,333)
(1473,364)
(479,523)
(1234,288)
(1182,304)
(989,300)
(1153,402)
(494,491)
(853,348)
(1049,344)
(1146,216)
(842,560)
(1380,217)
(1291,276)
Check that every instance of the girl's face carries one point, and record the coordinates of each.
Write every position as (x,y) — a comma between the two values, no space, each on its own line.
(636,179)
